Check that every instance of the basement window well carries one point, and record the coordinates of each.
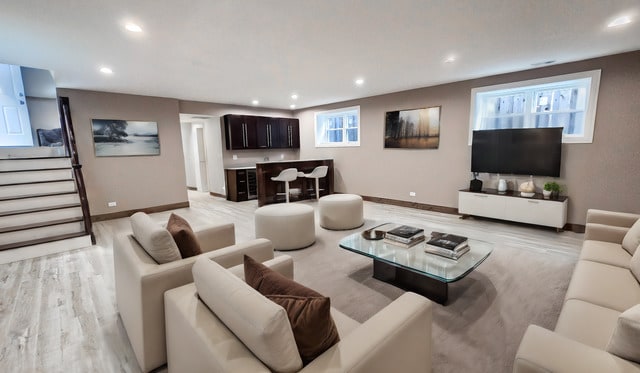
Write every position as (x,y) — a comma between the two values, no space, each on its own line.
(338,128)
(567,101)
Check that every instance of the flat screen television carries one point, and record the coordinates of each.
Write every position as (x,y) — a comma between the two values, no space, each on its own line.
(523,151)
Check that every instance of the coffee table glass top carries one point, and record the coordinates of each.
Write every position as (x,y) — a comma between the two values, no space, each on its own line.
(416,259)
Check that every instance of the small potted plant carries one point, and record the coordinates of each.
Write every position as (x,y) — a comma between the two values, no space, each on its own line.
(551,190)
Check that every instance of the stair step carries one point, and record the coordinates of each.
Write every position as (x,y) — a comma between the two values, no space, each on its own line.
(36,202)
(38,209)
(31,190)
(41,232)
(35,176)
(42,217)
(50,239)
(40,224)
(34,182)
(34,164)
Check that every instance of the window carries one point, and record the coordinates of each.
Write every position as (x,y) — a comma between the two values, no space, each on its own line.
(567,101)
(340,127)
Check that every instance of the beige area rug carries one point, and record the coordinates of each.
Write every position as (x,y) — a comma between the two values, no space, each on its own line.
(481,325)
(479,329)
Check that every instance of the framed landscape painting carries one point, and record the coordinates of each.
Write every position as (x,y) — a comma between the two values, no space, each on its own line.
(414,129)
(122,138)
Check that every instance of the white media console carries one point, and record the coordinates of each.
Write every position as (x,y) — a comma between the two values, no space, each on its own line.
(511,206)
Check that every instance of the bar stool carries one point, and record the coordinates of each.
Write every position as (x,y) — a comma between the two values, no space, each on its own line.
(286,175)
(317,173)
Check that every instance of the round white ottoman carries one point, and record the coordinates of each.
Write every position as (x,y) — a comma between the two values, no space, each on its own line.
(340,211)
(288,226)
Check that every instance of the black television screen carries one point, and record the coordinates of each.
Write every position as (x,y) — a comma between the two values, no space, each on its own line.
(523,151)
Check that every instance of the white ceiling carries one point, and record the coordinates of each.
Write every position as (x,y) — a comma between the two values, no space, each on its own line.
(234,51)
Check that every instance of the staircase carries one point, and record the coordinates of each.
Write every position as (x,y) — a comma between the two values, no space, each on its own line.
(43,200)
(39,203)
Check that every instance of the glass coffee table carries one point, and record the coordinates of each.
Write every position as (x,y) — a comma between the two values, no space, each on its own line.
(412,268)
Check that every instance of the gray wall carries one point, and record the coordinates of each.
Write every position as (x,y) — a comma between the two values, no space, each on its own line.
(604,174)
(43,113)
(133,182)
(40,92)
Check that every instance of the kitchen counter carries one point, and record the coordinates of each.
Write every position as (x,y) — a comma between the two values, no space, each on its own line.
(241,168)
(294,160)
(268,189)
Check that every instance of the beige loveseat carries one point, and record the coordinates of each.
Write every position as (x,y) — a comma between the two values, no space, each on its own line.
(141,282)
(398,338)
(604,284)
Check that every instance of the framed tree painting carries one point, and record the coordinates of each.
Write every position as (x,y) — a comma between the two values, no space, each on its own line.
(122,138)
(413,129)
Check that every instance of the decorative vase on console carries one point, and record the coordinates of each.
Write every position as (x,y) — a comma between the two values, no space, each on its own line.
(527,189)
(502,186)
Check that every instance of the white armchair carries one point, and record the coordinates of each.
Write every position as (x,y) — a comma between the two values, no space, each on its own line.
(140,283)
(396,338)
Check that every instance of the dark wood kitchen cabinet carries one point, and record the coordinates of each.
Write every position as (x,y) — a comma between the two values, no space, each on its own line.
(293,128)
(240,132)
(259,132)
(278,133)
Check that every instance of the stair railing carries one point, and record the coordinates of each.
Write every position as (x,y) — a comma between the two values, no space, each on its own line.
(69,139)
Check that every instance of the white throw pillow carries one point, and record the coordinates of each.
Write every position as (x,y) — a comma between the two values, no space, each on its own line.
(635,265)
(631,240)
(625,341)
(259,323)
(154,239)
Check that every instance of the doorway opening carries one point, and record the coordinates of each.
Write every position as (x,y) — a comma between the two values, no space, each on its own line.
(202,148)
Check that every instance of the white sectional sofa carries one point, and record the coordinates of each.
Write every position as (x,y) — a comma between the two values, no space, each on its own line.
(604,284)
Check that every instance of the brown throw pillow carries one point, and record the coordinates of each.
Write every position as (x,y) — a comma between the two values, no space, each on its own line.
(309,312)
(269,282)
(184,236)
(311,322)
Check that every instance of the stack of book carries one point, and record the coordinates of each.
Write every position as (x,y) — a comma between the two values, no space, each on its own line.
(405,236)
(447,245)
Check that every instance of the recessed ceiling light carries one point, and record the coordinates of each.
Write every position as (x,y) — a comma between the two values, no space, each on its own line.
(133,27)
(450,59)
(294,96)
(359,81)
(255,102)
(293,106)
(106,70)
(623,20)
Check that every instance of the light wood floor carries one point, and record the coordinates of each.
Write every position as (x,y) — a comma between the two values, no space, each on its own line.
(58,313)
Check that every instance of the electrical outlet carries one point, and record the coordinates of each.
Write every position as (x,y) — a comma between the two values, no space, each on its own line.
(412,194)
(112,204)
(235,157)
